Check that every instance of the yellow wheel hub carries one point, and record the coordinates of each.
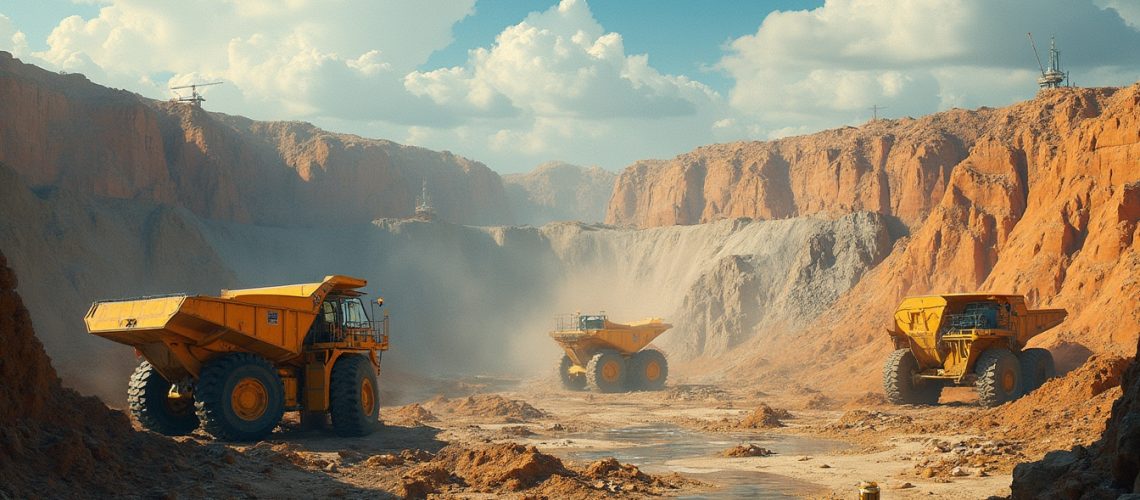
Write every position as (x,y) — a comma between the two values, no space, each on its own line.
(610,371)
(1008,381)
(652,370)
(250,399)
(367,397)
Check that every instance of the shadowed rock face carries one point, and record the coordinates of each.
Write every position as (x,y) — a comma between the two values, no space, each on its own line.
(63,131)
(1106,469)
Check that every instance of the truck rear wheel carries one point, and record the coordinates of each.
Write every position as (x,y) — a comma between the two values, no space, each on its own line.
(649,369)
(607,371)
(240,397)
(572,381)
(1036,368)
(999,377)
(901,384)
(148,397)
(354,396)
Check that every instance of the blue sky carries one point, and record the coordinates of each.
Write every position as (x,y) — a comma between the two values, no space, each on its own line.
(516,83)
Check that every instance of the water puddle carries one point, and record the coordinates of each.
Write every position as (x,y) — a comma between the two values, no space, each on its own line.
(662,448)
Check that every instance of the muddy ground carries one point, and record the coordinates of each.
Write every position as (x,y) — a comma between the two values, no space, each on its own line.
(479,439)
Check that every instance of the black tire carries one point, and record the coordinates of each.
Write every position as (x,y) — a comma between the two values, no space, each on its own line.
(607,371)
(1036,368)
(999,377)
(150,404)
(902,387)
(354,396)
(249,374)
(573,382)
(648,370)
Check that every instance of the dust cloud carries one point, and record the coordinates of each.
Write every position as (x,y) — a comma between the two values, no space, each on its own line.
(463,300)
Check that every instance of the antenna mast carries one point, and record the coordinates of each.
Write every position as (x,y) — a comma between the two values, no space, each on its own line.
(195,98)
(875,111)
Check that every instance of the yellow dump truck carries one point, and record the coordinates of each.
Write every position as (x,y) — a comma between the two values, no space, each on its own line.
(610,356)
(967,339)
(235,363)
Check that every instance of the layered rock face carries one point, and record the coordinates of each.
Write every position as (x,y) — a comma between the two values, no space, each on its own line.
(65,132)
(898,168)
(1036,198)
(559,191)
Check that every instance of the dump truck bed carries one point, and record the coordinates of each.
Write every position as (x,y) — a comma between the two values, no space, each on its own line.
(624,338)
(209,323)
(178,332)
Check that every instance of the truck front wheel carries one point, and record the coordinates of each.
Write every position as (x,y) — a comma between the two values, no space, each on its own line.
(999,377)
(607,371)
(572,381)
(148,397)
(240,397)
(901,384)
(354,396)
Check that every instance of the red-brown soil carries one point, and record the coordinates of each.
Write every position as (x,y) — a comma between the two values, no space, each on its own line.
(486,405)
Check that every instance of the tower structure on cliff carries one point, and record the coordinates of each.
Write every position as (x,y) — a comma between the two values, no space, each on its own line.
(1053,77)
(195,98)
(424,208)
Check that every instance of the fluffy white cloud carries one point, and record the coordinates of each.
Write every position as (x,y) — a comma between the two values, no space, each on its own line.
(309,58)
(11,39)
(561,63)
(827,66)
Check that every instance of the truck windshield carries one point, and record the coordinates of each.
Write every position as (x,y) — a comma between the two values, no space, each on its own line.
(354,315)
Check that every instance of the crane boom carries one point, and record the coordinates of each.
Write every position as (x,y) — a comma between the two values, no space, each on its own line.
(195,85)
(195,98)
(1034,45)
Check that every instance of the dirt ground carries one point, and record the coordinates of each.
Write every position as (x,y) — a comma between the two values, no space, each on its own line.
(535,440)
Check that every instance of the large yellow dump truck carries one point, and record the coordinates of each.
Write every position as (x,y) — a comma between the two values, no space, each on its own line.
(967,339)
(235,363)
(610,356)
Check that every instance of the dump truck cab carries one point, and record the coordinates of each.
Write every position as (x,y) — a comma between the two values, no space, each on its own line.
(246,356)
(967,339)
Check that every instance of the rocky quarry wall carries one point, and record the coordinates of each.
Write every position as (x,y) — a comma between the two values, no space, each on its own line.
(1045,203)
(106,194)
(62,131)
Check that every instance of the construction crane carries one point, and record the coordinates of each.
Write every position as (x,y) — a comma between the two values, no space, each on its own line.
(195,98)
(1053,77)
